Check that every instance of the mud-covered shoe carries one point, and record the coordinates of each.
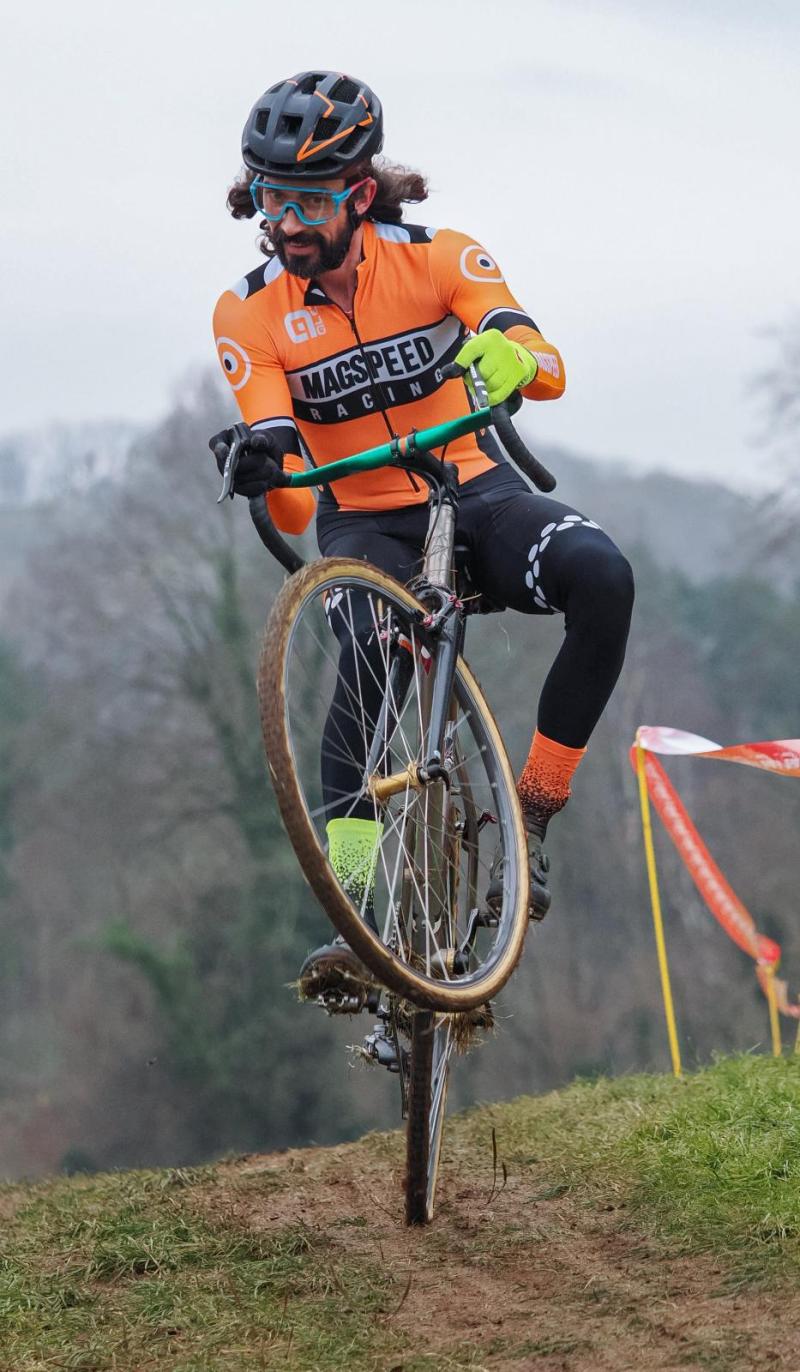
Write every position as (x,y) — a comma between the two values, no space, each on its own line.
(539,864)
(337,977)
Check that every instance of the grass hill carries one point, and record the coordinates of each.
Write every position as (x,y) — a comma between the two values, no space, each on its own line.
(634,1223)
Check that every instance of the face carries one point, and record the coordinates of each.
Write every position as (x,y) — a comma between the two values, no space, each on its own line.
(308,250)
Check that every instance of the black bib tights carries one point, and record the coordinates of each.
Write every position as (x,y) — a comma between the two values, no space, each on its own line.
(526,551)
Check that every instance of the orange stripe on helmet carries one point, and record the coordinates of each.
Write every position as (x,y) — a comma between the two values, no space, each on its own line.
(364,123)
(309,148)
(328,102)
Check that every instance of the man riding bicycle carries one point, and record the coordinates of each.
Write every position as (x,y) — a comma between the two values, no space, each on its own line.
(341,340)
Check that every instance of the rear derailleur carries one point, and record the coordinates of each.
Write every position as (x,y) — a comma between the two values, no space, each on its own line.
(382,1047)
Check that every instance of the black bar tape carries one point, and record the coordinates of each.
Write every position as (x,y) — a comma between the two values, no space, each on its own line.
(270,537)
(529,465)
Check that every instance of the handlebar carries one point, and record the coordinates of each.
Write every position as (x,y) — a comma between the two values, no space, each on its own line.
(274,542)
(408,451)
(520,455)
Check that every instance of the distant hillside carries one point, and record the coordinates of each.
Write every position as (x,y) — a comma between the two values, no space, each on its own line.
(701,528)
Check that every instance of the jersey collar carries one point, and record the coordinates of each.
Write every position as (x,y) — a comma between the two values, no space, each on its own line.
(315,295)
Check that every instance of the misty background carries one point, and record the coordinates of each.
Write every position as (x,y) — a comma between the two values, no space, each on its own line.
(630,168)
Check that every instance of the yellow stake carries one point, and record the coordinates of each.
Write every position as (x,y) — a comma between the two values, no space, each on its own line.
(655,901)
(774,1022)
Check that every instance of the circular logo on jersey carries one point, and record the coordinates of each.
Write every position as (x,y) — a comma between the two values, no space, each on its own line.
(236,363)
(477,265)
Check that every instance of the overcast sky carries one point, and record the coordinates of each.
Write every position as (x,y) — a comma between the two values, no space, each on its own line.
(632,166)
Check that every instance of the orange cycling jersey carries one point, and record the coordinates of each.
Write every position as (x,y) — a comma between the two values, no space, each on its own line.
(328,385)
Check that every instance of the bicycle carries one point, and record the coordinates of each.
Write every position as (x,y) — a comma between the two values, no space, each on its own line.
(431,764)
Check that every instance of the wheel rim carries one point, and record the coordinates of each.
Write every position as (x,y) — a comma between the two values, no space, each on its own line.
(443,1044)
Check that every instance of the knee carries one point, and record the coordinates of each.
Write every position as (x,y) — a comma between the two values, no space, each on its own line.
(614,578)
(602,586)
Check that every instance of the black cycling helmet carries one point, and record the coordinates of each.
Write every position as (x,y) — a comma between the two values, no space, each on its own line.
(313,125)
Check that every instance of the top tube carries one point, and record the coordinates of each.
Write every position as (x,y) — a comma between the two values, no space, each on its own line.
(395,452)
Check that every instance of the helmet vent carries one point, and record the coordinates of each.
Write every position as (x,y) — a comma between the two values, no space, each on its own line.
(345,90)
(290,123)
(326,128)
(309,83)
(262,119)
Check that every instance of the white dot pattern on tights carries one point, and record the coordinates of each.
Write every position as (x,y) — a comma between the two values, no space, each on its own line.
(571,521)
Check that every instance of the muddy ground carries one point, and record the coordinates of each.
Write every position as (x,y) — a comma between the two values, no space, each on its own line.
(523,1276)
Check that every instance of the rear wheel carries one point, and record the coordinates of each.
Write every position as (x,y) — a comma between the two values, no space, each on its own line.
(436,944)
(431,1048)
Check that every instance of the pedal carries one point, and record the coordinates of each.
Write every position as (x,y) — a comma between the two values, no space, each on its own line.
(347,998)
(334,978)
(341,1001)
(340,995)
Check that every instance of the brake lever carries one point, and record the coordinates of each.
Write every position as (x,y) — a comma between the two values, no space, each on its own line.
(240,433)
(478,386)
(453,371)
(510,439)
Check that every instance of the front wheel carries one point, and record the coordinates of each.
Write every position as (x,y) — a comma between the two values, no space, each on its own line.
(344,683)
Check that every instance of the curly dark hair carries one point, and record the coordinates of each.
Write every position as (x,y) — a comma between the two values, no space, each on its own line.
(397,186)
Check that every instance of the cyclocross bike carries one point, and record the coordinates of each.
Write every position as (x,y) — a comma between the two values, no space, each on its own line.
(430,762)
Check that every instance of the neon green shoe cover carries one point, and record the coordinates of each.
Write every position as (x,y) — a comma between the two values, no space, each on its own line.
(353,854)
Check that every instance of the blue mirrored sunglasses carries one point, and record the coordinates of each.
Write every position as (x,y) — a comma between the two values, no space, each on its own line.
(312,204)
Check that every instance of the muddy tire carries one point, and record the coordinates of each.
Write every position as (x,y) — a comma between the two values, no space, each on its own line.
(427,1095)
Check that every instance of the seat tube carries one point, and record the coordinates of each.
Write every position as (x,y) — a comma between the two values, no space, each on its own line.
(438,567)
(433,833)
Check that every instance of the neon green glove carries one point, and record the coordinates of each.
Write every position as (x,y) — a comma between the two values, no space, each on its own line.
(504,366)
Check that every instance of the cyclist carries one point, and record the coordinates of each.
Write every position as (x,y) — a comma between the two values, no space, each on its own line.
(339,340)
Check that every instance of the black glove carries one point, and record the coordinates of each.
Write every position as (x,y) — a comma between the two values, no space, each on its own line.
(260,466)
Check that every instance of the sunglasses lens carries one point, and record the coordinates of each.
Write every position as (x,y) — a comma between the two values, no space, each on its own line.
(311,207)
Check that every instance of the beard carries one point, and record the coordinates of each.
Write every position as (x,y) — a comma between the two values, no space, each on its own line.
(329,252)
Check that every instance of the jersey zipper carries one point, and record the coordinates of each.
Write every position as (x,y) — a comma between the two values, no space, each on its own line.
(375,385)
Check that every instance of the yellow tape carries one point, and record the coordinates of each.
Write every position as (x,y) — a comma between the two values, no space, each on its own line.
(655,901)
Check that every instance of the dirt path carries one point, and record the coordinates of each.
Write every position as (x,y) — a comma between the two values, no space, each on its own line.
(525,1278)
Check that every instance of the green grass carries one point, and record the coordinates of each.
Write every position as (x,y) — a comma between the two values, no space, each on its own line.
(709,1163)
(132,1271)
(119,1271)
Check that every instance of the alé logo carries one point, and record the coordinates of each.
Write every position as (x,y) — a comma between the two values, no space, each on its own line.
(303,325)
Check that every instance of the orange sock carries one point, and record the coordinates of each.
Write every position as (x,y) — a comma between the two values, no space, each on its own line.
(543,784)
